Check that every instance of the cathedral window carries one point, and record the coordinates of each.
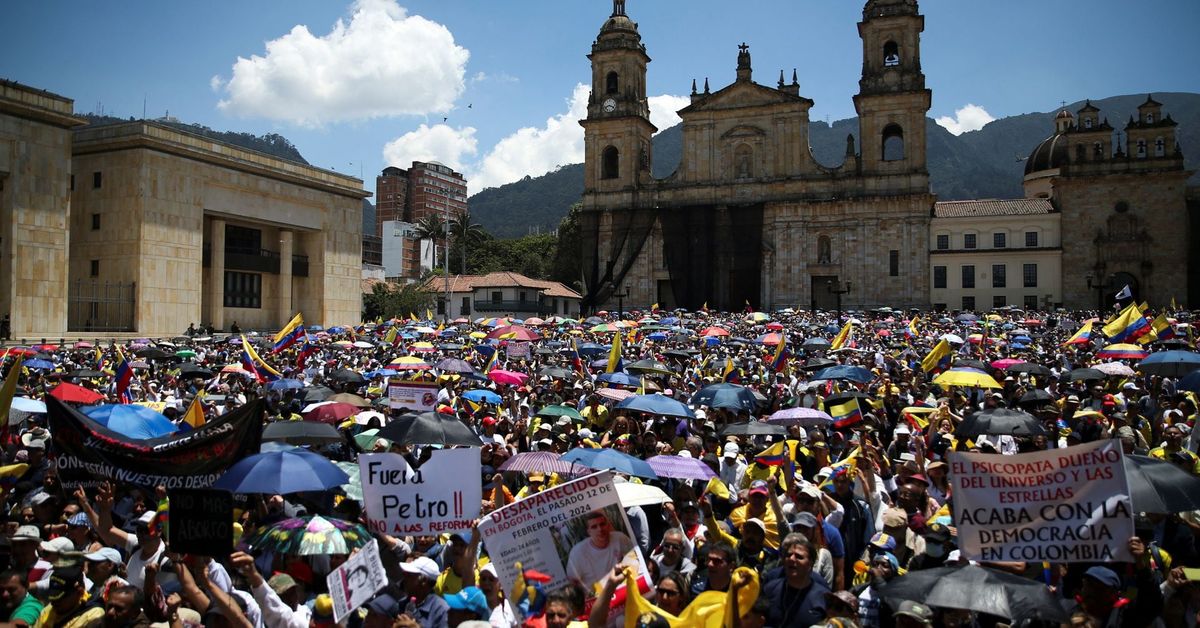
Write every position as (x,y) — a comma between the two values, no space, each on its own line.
(891,54)
(1149,118)
(893,143)
(1087,123)
(1160,147)
(1141,149)
(609,163)
(1098,150)
(824,250)
(610,83)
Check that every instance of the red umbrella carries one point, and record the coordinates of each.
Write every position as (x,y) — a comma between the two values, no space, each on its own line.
(513,332)
(72,393)
(332,413)
(883,332)
(774,326)
(714,331)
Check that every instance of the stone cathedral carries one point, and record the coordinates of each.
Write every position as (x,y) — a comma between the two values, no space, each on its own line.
(750,217)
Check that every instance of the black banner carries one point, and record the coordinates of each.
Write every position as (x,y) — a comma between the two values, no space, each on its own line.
(87,453)
(201,522)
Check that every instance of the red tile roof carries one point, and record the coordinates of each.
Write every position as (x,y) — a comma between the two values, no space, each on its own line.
(470,283)
(992,207)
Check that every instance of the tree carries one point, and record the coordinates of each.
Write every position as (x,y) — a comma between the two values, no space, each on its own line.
(465,234)
(390,300)
(430,228)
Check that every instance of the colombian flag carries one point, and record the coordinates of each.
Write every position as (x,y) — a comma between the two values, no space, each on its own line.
(842,339)
(730,373)
(1129,325)
(290,334)
(614,355)
(123,377)
(846,414)
(912,331)
(939,356)
(1081,337)
(779,361)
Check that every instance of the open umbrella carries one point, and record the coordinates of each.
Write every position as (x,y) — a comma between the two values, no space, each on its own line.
(1114,369)
(1028,367)
(40,365)
(680,467)
(556,372)
(482,395)
(152,353)
(1036,396)
(1085,374)
(286,383)
(559,411)
(350,398)
(347,376)
(619,379)
(429,428)
(1122,351)
(615,394)
(1158,486)
(731,396)
(649,366)
(656,404)
(633,494)
(966,378)
(513,332)
(1000,421)
(308,536)
(85,374)
(507,377)
(132,420)
(804,417)
(610,459)
(331,412)
(316,393)
(754,428)
(192,370)
(302,433)
(539,461)
(283,472)
(1170,363)
(979,589)
(847,372)
(816,344)
(454,365)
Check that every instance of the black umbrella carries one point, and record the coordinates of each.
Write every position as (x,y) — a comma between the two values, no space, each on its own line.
(302,433)
(730,396)
(347,376)
(1028,367)
(677,355)
(556,372)
(816,343)
(1035,397)
(1000,421)
(979,589)
(653,367)
(429,428)
(1085,374)
(152,353)
(316,393)
(85,373)
(816,364)
(973,364)
(192,370)
(1158,486)
(754,428)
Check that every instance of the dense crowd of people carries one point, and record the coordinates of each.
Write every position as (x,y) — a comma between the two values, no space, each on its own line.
(818,515)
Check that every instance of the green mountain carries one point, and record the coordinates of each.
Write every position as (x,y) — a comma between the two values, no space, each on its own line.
(271,144)
(988,163)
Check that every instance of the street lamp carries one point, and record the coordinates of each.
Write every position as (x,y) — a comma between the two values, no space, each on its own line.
(445,194)
(837,291)
(1098,285)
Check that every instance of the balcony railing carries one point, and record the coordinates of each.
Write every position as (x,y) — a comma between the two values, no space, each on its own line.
(257,260)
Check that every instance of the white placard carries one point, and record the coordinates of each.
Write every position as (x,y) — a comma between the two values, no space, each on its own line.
(416,396)
(444,495)
(356,581)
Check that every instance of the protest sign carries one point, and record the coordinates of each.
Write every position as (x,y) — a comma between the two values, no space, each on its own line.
(416,396)
(86,453)
(517,349)
(1060,505)
(356,581)
(576,531)
(444,495)
(201,521)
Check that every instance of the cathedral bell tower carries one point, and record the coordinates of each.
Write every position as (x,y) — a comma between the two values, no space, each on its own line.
(617,131)
(892,99)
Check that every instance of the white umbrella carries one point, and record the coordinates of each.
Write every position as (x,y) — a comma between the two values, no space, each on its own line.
(362,418)
(952,338)
(363,345)
(632,494)
(1115,369)
(25,404)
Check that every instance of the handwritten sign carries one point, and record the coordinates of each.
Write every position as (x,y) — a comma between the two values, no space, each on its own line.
(201,521)
(444,495)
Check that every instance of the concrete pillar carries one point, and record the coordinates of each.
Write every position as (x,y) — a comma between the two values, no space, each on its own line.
(216,267)
(285,276)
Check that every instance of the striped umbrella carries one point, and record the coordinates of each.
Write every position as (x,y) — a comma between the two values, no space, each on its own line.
(538,461)
(1122,351)
(680,467)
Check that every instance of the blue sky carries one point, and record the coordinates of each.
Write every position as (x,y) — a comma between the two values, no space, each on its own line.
(492,87)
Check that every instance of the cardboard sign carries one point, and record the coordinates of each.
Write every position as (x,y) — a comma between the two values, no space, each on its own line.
(1061,505)
(416,396)
(517,349)
(201,522)
(356,581)
(444,495)
(574,532)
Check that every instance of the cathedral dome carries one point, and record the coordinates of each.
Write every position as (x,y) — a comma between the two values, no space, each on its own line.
(1050,154)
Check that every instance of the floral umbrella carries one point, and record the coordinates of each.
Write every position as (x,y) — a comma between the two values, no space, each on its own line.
(308,536)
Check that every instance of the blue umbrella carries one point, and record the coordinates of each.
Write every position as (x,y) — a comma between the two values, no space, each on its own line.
(336,329)
(282,472)
(1191,382)
(481,395)
(485,350)
(1022,339)
(843,371)
(591,348)
(656,404)
(382,373)
(731,396)
(315,328)
(285,384)
(134,421)
(1170,363)
(657,336)
(39,364)
(31,406)
(670,320)
(610,459)
(620,379)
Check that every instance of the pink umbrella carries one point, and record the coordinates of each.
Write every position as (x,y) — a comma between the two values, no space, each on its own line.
(680,467)
(543,461)
(1000,365)
(883,332)
(774,326)
(805,417)
(714,331)
(513,332)
(507,377)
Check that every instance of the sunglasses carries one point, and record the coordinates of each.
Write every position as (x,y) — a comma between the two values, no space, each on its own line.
(667,592)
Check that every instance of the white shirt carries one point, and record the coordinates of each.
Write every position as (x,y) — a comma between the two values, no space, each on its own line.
(589,564)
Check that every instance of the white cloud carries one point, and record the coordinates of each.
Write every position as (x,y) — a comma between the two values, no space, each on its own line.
(663,108)
(384,62)
(432,143)
(969,118)
(535,151)
(216,83)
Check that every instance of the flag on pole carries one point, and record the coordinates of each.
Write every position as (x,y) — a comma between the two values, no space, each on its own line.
(259,363)
(195,414)
(7,392)
(912,331)
(1124,293)
(614,355)
(938,357)
(1130,325)
(392,337)
(123,377)
(846,414)
(491,363)
(779,361)
(1081,337)
(290,334)
(843,337)
(730,374)
(306,349)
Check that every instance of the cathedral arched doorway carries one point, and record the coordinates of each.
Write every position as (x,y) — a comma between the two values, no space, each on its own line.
(1118,283)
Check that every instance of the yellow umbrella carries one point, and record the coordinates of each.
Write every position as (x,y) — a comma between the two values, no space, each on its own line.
(966,379)
(478,334)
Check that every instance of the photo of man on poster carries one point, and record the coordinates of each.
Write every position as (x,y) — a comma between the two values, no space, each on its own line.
(591,559)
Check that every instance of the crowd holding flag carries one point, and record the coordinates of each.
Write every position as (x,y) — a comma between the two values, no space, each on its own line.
(939,357)
(846,413)
(1081,337)
(291,333)
(123,377)
(614,355)
(843,338)
(1128,326)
